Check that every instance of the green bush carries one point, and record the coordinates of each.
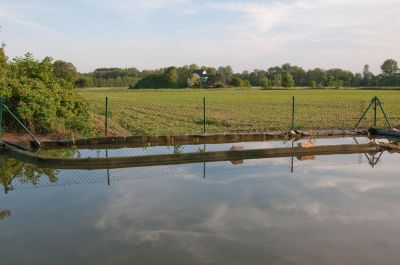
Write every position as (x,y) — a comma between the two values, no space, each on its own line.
(45,103)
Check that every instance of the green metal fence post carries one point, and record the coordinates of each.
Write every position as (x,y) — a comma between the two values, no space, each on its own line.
(365,112)
(106,119)
(204,115)
(375,111)
(35,141)
(293,114)
(384,113)
(1,116)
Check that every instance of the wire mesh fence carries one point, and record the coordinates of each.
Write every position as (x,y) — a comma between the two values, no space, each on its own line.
(185,116)
(236,113)
(22,176)
(16,175)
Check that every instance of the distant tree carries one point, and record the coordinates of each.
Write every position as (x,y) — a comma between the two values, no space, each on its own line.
(226,74)
(236,82)
(65,70)
(84,81)
(184,74)
(194,67)
(389,67)
(171,77)
(287,80)
(194,81)
(277,80)
(317,75)
(155,80)
(366,71)
(358,79)
(367,76)
(246,83)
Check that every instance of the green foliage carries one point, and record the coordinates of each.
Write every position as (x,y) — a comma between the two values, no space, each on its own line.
(65,70)
(246,83)
(44,102)
(194,81)
(236,82)
(152,81)
(84,81)
(287,80)
(389,67)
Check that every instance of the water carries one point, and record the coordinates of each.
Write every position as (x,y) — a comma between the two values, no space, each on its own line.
(341,209)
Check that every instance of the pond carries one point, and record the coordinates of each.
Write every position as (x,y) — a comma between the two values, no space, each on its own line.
(336,209)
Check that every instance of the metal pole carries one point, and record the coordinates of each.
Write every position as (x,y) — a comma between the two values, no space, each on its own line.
(292,162)
(106,119)
(204,166)
(21,124)
(204,115)
(293,106)
(108,171)
(384,114)
(365,112)
(1,116)
(375,111)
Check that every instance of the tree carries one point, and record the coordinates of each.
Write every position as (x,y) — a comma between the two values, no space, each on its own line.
(43,101)
(236,82)
(287,80)
(246,83)
(84,81)
(389,67)
(65,70)
(225,73)
(277,79)
(3,73)
(317,75)
(194,81)
(171,77)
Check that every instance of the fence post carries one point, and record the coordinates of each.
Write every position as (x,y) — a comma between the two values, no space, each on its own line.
(293,113)
(384,113)
(106,119)
(1,116)
(204,115)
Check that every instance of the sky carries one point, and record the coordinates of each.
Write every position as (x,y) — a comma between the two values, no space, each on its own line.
(247,35)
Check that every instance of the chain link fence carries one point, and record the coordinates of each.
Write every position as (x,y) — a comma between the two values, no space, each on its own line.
(17,175)
(211,115)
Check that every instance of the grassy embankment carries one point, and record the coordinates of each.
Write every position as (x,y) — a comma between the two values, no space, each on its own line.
(174,112)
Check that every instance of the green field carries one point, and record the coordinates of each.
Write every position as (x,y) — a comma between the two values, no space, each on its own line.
(176,112)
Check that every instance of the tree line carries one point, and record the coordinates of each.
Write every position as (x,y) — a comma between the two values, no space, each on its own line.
(286,75)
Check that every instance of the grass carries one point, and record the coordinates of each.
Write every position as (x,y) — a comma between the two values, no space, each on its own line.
(174,112)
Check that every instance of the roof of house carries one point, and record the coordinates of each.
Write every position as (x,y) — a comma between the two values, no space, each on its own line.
(201,73)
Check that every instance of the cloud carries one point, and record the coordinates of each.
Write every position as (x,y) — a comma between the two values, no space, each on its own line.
(305,27)
(140,8)
(244,34)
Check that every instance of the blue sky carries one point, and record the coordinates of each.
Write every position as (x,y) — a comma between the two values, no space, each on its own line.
(244,34)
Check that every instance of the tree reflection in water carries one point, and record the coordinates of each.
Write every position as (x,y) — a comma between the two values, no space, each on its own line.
(14,170)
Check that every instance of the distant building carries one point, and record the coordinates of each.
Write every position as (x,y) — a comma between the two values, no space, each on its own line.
(203,75)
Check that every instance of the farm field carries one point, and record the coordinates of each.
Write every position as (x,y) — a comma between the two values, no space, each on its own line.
(177,112)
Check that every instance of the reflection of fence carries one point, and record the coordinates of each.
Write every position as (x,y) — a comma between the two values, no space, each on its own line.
(181,116)
(20,176)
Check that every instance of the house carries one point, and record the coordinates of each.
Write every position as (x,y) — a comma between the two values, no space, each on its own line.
(203,75)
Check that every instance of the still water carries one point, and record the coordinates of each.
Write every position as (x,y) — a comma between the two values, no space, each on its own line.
(341,209)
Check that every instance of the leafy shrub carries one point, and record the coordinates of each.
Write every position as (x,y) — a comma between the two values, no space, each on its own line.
(44,102)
